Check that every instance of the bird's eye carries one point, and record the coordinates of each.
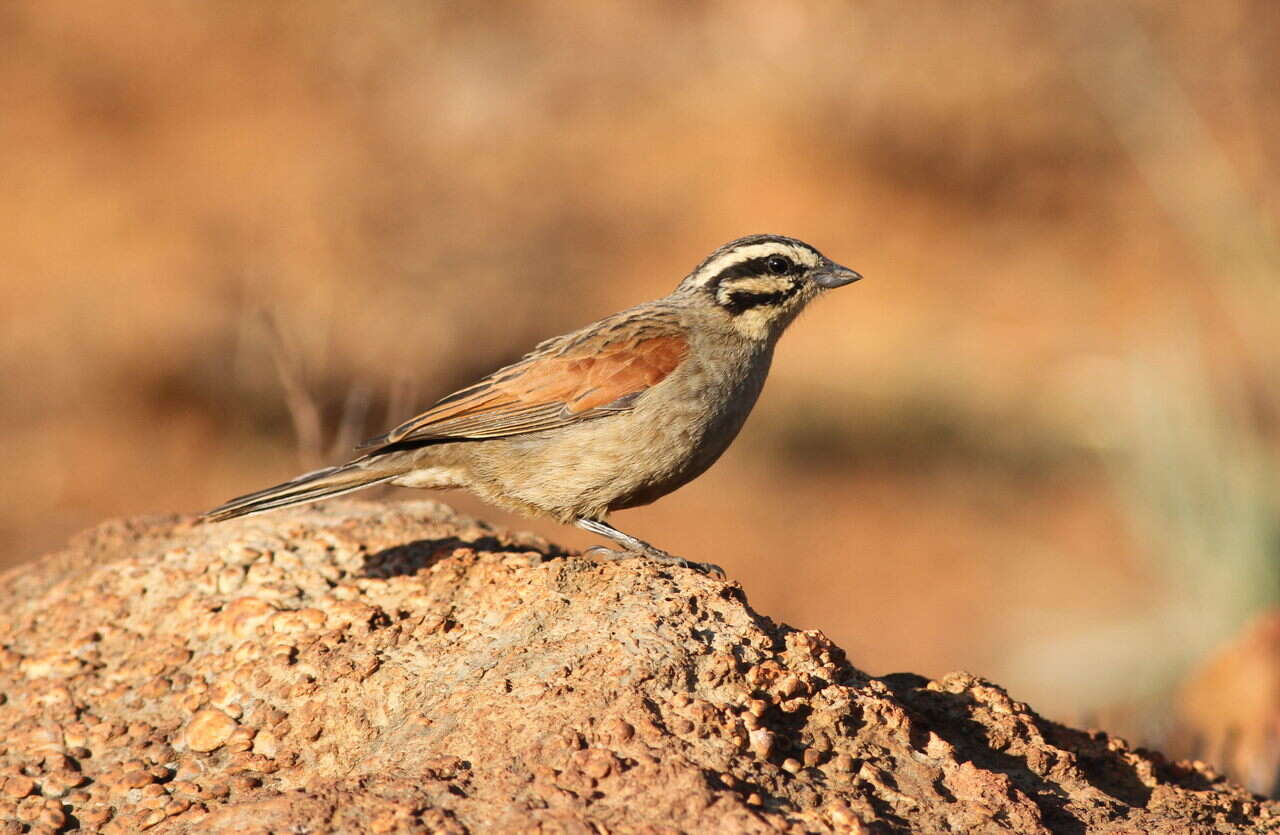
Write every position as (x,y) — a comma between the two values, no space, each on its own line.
(778,264)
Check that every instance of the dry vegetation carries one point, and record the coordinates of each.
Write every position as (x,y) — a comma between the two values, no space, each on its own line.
(1044,428)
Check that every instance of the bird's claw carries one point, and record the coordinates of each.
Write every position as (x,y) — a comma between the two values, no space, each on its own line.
(708,568)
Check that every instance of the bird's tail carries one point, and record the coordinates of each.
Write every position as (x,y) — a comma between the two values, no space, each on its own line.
(310,487)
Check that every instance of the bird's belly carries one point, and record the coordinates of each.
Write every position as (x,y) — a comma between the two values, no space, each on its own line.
(693,450)
(614,462)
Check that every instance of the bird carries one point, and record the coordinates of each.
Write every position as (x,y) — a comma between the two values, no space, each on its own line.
(611,416)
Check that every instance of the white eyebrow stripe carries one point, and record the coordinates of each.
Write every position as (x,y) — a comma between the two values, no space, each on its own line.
(736,256)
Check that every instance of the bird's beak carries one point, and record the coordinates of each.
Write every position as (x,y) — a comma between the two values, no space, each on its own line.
(832,275)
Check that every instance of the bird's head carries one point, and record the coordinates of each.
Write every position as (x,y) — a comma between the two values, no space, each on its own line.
(762,282)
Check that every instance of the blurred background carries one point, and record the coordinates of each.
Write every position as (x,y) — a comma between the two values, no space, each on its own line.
(1039,442)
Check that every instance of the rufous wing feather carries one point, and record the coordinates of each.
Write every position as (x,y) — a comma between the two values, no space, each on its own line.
(568,381)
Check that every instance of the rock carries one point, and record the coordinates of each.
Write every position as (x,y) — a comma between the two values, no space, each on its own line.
(209,730)
(400,668)
(18,787)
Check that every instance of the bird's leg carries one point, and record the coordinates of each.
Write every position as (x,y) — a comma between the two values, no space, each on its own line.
(632,547)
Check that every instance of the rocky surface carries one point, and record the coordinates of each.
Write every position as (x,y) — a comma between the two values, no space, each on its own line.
(357,667)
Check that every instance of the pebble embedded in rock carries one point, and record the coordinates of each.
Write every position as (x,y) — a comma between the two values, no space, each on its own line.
(761,741)
(209,729)
(19,787)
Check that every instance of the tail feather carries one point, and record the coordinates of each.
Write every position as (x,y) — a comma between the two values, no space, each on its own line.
(309,487)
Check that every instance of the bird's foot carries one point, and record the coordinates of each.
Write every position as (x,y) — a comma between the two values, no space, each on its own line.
(657,555)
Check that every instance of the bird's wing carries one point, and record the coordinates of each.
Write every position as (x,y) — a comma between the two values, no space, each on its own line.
(590,374)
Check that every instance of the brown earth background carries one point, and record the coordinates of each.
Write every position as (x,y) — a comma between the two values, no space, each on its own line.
(1038,442)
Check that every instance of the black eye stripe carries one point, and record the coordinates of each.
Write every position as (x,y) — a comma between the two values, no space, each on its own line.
(751,267)
(790,248)
(743,300)
(739,301)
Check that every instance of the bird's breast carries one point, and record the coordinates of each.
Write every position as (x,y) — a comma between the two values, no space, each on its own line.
(686,428)
(672,434)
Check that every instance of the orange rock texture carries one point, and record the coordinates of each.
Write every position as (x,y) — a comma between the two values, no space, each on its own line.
(399,668)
